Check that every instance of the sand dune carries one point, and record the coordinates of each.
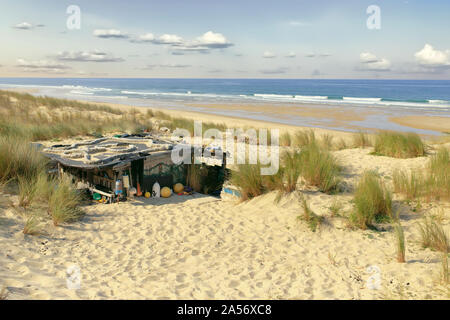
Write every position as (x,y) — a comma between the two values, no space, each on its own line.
(201,247)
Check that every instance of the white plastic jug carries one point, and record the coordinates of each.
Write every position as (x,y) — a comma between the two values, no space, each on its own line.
(156,190)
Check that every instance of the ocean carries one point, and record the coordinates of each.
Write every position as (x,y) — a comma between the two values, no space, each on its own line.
(397,93)
(396,97)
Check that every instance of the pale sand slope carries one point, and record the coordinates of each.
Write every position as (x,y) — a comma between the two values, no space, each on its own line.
(198,246)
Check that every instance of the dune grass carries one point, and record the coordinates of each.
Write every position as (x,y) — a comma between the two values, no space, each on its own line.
(361,140)
(315,164)
(32,225)
(285,139)
(439,174)
(433,183)
(341,144)
(433,235)
(23,117)
(19,158)
(326,141)
(285,180)
(63,203)
(335,208)
(399,145)
(312,219)
(445,273)
(319,168)
(372,201)
(400,237)
(304,137)
(248,179)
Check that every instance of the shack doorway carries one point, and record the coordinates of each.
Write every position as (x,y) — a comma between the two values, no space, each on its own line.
(137,172)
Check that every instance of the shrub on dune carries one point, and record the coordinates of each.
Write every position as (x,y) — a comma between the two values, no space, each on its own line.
(399,145)
(372,200)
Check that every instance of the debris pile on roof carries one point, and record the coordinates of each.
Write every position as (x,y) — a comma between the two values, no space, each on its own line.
(106,151)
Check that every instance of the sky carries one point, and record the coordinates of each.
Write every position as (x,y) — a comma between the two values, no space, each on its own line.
(348,39)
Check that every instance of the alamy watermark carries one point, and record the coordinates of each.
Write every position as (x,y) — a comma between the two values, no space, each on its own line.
(374,280)
(235,142)
(73,277)
(73,21)
(373,22)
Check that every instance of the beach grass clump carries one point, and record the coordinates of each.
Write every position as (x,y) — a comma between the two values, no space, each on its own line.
(248,179)
(399,145)
(32,225)
(433,235)
(361,140)
(372,201)
(63,203)
(304,137)
(286,139)
(400,237)
(319,168)
(412,185)
(327,141)
(335,208)
(341,144)
(431,183)
(19,158)
(445,272)
(439,174)
(285,180)
(310,217)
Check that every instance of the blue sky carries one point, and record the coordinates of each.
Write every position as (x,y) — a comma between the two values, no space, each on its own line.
(226,39)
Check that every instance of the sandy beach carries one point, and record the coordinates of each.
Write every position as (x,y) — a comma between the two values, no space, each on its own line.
(201,247)
(204,247)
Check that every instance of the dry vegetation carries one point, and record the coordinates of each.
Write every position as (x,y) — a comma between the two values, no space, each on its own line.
(372,200)
(26,118)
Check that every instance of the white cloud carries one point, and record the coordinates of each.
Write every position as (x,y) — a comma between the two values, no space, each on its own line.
(27,26)
(269,55)
(209,40)
(430,57)
(148,37)
(371,62)
(85,56)
(317,55)
(42,66)
(109,33)
(291,55)
(279,70)
(296,23)
(167,65)
(212,40)
(172,39)
(367,57)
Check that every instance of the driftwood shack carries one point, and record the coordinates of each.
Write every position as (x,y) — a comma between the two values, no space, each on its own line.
(132,161)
